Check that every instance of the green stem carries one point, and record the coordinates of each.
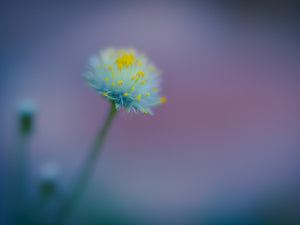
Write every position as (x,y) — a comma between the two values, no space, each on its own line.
(20,176)
(87,169)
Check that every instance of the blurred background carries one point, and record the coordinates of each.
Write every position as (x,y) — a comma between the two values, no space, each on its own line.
(224,149)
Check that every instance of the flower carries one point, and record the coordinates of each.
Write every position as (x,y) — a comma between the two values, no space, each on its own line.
(125,77)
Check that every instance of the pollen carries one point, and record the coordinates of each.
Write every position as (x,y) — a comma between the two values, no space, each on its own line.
(98,66)
(143,82)
(114,75)
(154,89)
(113,84)
(133,77)
(132,88)
(111,68)
(140,73)
(106,78)
(105,66)
(147,94)
(91,73)
(137,78)
(125,60)
(125,94)
(120,66)
(138,97)
(163,99)
(105,94)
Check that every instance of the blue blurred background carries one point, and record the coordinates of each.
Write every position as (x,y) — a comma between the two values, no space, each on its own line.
(224,149)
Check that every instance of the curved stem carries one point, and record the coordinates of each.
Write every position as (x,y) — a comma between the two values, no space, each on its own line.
(87,169)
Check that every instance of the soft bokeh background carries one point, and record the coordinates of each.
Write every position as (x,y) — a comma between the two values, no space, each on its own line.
(223,150)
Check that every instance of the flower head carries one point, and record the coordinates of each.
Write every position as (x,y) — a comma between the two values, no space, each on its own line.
(125,77)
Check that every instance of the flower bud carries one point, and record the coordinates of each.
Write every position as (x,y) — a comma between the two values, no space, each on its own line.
(27,111)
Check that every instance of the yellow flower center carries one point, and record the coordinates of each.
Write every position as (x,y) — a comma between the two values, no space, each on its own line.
(125,60)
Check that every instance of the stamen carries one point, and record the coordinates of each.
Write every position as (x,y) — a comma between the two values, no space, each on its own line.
(163,100)
(140,73)
(138,97)
(127,59)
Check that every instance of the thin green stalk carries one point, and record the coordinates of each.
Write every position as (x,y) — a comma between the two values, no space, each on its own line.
(86,171)
(20,179)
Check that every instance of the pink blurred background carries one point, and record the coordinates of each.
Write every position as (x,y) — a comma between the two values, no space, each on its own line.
(224,145)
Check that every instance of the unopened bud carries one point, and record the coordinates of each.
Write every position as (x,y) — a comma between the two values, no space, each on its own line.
(27,110)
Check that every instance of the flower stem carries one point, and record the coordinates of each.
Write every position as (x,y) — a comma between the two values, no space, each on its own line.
(19,184)
(86,171)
